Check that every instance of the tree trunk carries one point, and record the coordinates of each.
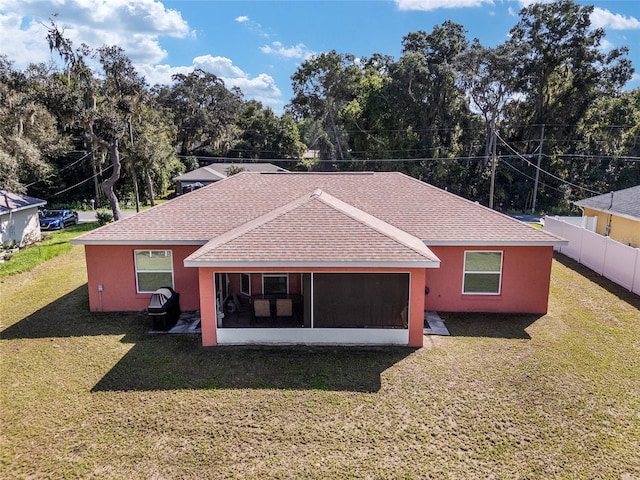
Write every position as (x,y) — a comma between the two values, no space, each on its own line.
(152,197)
(335,133)
(135,189)
(96,181)
(108,184)
(489,142)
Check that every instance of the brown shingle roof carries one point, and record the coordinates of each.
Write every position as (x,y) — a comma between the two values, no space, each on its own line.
(433,215)
(315,229)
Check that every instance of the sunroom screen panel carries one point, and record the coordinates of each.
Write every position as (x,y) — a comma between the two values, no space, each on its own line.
(360,300)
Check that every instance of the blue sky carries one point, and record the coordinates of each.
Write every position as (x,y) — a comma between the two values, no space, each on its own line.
(258,45)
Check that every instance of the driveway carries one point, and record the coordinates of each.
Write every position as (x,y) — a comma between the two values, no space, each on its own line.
(90,216)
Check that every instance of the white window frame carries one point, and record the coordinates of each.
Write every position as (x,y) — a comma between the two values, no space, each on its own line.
(466,272)
(135,264)
(265,275)
(248,275)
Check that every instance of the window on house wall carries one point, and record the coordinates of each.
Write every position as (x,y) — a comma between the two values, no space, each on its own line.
(154,269)
(275,283)
(245,283)
(482,272)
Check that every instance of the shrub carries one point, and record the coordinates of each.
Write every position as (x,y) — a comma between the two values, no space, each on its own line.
(9,245)
(233,169)
(104,217)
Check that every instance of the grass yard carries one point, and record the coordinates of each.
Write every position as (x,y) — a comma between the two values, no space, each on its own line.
(92,396)
(52,244)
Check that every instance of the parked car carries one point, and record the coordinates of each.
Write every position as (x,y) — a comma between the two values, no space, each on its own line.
(57,219)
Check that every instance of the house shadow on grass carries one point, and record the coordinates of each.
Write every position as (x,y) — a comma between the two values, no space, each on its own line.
(169,362)
(494,325)
(603,282)
(69,316)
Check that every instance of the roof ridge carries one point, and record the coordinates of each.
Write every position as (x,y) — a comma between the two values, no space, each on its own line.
(404,238)
(213,171)
(240,230)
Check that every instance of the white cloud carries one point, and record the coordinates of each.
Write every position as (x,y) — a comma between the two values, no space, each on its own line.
(220,66)
(252,25)
(134,25)
(601,18)
(143,16)
(22,45)
(427,5)
(299,51)
(606,45)
(262,87)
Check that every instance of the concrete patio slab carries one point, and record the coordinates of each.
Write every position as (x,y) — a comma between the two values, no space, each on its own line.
(433,324)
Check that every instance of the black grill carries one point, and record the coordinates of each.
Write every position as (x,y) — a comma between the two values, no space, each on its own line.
(164,309)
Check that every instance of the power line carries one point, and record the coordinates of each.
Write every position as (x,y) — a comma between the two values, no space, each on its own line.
(544,171)
(525,175)
(83,181)
(62,169)
(399,160)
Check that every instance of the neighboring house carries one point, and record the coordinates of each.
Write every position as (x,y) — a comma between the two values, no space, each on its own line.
(364,254)
(215,172)
(618,214)
(19,220)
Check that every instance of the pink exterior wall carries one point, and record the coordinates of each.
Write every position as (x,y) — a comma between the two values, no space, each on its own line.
(207,297)
(207,306)
(416,307)
(525,283)
(526,272)
(113,267)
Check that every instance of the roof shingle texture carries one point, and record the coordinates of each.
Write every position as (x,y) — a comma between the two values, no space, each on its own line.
(419,209)
(624,202)
(315,229)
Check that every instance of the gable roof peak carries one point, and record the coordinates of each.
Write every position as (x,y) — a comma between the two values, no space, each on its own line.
(358,237)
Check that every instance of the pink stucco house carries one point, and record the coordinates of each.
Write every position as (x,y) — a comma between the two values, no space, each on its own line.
(361,256)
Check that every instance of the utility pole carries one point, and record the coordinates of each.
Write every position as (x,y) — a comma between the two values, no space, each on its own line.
(493,164)
(535,185)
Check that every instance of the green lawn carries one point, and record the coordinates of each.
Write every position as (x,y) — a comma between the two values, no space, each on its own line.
(92,396)
(52,245)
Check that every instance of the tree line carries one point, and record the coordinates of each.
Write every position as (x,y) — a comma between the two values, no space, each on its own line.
(530,124)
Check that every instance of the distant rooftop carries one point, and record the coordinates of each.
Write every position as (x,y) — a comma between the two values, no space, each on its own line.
(624,203)
(218,171)
(13,202)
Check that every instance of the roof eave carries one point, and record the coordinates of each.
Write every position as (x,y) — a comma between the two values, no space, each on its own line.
(310,264)
(81,241)
(428,243)
(610,212)
(26,207)
(491,243)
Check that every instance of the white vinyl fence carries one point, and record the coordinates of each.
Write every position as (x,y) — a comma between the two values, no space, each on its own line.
(609,258)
